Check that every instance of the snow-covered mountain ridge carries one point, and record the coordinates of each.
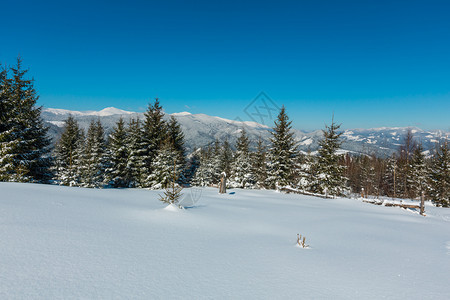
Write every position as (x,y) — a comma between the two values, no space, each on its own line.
(201,130)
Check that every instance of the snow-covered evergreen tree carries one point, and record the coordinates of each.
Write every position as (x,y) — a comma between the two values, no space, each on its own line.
(440,176)
(192,165)
(163,166)
(66,153)
(259,164)
(208,172)
(7,143)
(330,172)
(155,133)
(24,145)
(306,173)
(418,181)
(136,154)
(225,159)
(175,137)
(118,175)
(282,154)
(404,171)
(389,177)
(242,175)
(93,163)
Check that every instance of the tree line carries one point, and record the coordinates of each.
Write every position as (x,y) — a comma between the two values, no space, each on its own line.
(146,153)
(409,173)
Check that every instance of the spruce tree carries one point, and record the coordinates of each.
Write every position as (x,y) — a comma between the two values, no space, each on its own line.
(155,133)
(282,154)
(163,167)
(330,172)
(94,164)
(259,164)
(175,138)
(118,173)
(225,159)
(66,153)
(136,154)
(440,176)
(389,179)
(418,181)
(8,144)
(405,153)
(207,172)
(24,145)
(242,175)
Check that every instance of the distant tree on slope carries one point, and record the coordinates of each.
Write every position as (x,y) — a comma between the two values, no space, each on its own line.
(330,172)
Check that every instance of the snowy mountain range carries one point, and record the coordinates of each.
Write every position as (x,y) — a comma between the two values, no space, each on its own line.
(201,130)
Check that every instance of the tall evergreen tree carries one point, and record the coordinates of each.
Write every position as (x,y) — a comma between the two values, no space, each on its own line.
(330,172)
(307,179)
(389,179)
(204,174)
(225,159)
(175,138)
(94,164)
(242,175)
(440,176)
(405,153)
(283,152)
(24,145)
(418,181)
(118,173)
(155,133)
(259,165)
(66,153)
(164,167)
(136,154)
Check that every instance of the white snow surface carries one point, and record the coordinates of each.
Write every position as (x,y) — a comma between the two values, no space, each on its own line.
(109,111)
(66,243)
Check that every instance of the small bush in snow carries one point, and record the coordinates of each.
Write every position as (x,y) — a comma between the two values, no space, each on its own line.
(301,241)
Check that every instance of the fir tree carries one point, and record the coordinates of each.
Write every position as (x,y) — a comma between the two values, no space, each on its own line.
(155,132)
(225,159)
(259,165)
(94,164)
(242,175)
(307,174)
(24,145)
(406,151)
(193,163)
(66,153)
(118,173)
(208,171)
(330,172)
(175,139)
(282,154)
(389,180)
(163,167)
(136,154)
(440,176)
(419,173)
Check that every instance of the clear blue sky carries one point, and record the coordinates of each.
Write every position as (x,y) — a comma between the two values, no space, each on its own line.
(372,63)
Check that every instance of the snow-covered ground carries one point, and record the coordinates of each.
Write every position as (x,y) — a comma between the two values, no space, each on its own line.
(61,242)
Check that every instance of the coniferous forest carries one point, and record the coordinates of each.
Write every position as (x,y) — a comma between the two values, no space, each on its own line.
(146,153)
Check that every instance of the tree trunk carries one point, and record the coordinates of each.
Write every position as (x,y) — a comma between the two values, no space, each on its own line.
(223,183)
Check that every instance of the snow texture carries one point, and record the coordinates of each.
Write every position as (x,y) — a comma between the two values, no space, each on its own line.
(62,242)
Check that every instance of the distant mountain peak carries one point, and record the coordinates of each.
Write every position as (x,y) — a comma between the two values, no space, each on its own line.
(109,111)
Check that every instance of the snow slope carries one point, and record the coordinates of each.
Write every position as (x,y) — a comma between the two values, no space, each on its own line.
(62,242)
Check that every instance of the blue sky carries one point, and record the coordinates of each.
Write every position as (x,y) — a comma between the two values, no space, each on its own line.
(371,63)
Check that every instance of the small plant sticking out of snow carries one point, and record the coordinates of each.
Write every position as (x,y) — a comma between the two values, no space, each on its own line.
(172,194)
(301,242)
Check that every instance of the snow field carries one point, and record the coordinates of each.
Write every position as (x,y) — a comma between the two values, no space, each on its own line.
(61,242)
